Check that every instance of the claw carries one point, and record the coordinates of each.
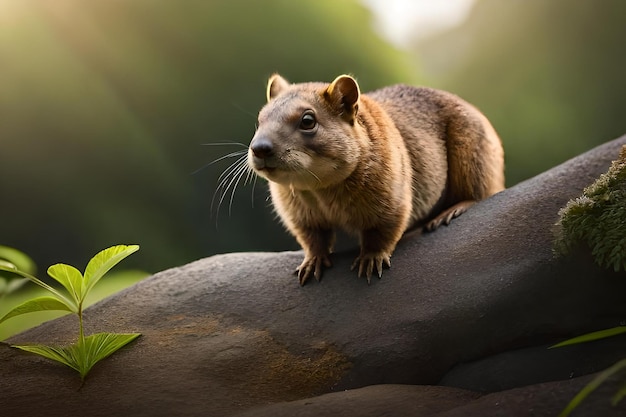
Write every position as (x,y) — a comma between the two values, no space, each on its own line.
(367,263)
(447,215)
(312,266)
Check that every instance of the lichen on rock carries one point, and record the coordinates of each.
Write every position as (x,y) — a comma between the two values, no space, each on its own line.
(597,219)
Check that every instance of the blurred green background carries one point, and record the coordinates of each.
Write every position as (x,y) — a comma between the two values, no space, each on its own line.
(106,106)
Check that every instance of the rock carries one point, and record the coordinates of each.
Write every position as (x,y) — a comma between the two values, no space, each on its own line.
(535,364)
(372,401)
(541,400)
(235,332)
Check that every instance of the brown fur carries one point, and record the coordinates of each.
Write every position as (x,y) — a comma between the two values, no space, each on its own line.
(372,164)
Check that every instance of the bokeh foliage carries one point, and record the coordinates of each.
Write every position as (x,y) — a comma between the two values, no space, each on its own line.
(548,74)
(105,105)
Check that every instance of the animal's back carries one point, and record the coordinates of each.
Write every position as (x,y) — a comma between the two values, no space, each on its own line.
(456,155)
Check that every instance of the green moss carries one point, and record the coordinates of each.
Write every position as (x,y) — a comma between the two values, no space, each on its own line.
(597,219)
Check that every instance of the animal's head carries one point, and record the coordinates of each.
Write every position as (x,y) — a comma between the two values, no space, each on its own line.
(308,134)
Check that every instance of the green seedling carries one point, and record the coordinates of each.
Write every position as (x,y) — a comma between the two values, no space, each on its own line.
(87,351)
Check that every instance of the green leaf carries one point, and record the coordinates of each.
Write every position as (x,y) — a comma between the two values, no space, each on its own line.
(22,261)
(15,284)
(591,386)
(82,356)
(103,262)
(7,286)
(101,345)
(59,354)
(589,337)
(7,267)
(621,393)
(38,304)
(70,278)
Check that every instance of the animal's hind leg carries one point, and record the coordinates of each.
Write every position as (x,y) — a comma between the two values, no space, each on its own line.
(475,165)
(447,215)
(475,158)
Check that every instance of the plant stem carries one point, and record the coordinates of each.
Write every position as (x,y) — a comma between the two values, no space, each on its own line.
(82,357)
(81,332)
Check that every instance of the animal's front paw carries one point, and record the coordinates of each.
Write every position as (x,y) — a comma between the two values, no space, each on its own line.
(312,265)
(367,262)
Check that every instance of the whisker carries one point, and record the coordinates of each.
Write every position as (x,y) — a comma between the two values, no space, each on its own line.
(253,186)
(251,179)
(221,158)
(230,204)
(241,109)
(244,168)
(230,155)
(314,176)
(238,161)
(249,176)
(223,181)
(224,144)
(229,180)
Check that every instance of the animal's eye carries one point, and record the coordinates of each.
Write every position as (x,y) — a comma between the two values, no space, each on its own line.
(308,121)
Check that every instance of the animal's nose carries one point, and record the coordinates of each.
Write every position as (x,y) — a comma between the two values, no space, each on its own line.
(262,147)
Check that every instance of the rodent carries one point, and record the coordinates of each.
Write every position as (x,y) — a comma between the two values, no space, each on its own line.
(374,164)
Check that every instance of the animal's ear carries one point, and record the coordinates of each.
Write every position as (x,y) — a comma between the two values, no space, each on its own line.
(275,85)
(343,93)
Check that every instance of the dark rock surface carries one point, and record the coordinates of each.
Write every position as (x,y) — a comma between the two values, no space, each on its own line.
(373,401)
(541,400)
(471,305)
